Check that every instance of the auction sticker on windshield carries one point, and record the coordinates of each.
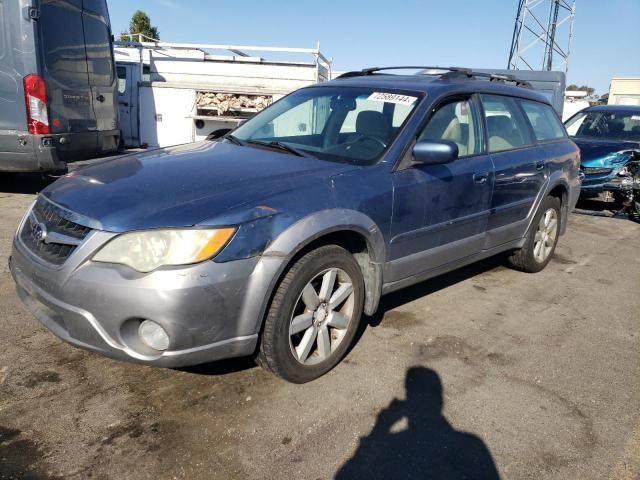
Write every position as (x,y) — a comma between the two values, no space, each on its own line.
(392,98)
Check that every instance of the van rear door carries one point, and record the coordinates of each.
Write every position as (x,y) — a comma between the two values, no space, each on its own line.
(77,65)
(64,66)
(100,66)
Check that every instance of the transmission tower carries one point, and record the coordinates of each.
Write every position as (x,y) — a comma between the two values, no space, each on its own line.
(542,35)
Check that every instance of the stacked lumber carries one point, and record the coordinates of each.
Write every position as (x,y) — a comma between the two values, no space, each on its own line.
(218,104)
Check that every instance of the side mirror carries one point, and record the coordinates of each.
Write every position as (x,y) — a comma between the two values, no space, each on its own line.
(432,152)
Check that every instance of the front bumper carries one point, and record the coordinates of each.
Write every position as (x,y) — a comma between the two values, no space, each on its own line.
(94,305)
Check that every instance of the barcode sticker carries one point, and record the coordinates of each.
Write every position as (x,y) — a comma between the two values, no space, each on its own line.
(392,98)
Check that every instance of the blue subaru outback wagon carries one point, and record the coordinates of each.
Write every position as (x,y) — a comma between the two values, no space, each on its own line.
(276,238)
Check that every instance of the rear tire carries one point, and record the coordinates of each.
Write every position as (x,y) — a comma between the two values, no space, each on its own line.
(313,316)
(541,239)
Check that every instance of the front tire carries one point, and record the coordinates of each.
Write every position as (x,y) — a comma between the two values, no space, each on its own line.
(541,239)
(313,316)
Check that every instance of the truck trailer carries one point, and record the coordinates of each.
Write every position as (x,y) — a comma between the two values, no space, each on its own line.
(175,93)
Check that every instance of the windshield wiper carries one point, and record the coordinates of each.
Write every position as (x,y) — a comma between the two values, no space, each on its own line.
(235,140)
(282,146)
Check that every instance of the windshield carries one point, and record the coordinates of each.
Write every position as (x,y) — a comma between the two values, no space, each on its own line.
(343,124)
(605,125)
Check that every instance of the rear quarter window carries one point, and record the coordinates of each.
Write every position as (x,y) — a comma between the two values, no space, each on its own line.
(543,119)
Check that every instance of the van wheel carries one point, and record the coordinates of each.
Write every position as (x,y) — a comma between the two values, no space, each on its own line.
(541,239)
(313,316)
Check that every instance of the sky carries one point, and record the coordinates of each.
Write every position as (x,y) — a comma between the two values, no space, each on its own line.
(363,33)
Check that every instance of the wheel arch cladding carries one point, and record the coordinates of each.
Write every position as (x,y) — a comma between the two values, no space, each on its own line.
(561,191)
(350,229)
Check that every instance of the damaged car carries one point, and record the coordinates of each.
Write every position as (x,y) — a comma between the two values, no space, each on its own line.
(609,138)
(277,238)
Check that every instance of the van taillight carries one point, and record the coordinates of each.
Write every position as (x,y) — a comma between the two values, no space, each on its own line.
(35,96)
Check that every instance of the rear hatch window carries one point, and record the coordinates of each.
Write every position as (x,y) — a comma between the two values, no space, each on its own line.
(62,37)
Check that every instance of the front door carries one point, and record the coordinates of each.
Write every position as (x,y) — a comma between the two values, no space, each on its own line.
(440,212)
(519,168)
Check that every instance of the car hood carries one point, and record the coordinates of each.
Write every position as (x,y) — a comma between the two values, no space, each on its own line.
(604,153)
(184,185)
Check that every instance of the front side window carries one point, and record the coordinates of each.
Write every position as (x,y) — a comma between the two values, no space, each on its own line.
(506,126)
(455,121)
(344,124)
(605,125)
(544,121)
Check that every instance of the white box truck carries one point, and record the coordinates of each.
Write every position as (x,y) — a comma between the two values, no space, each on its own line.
(172,93)
(624,91)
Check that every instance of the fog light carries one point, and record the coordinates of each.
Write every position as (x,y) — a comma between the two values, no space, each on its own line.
(153,335)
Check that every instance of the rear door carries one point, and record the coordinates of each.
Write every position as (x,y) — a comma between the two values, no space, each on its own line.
(100,64)
(64,65)
(520,169)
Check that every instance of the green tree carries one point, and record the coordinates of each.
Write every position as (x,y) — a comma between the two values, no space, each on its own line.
(584,88)
(140,23)
(590,90)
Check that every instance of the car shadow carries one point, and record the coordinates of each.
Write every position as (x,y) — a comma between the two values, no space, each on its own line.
(25,183)
(412,439)
(221,367)
(419,290)
(387,303)
(599,208)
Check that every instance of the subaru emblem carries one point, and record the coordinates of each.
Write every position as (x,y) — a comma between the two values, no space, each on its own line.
(39,232)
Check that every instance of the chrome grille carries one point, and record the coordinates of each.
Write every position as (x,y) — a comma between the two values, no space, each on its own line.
(49,235)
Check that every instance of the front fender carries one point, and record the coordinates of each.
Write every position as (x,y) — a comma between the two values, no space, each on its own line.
(321,223)
(277,256)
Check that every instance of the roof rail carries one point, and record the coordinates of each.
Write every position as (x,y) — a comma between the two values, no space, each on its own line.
(373,70)
(442,72)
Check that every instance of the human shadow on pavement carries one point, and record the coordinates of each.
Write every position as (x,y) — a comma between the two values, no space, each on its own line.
(413,440)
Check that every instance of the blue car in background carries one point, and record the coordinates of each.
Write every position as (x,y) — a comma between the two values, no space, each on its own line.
(609,138)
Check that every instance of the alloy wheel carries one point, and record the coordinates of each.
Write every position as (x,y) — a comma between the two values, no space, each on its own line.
(546,235)
(321,316)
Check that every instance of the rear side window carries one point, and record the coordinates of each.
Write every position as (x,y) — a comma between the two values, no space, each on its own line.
(544,121)
(507,127)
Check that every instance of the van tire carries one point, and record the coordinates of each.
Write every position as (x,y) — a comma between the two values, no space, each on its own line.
(536,252)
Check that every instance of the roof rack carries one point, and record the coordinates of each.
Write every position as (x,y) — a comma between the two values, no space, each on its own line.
(442,72)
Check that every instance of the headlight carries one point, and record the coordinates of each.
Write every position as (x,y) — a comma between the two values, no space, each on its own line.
(146,251)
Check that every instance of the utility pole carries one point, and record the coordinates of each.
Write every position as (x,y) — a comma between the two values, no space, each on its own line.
(542,35)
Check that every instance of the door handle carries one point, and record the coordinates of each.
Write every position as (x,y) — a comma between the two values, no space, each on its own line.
(540,165)
(480,178)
